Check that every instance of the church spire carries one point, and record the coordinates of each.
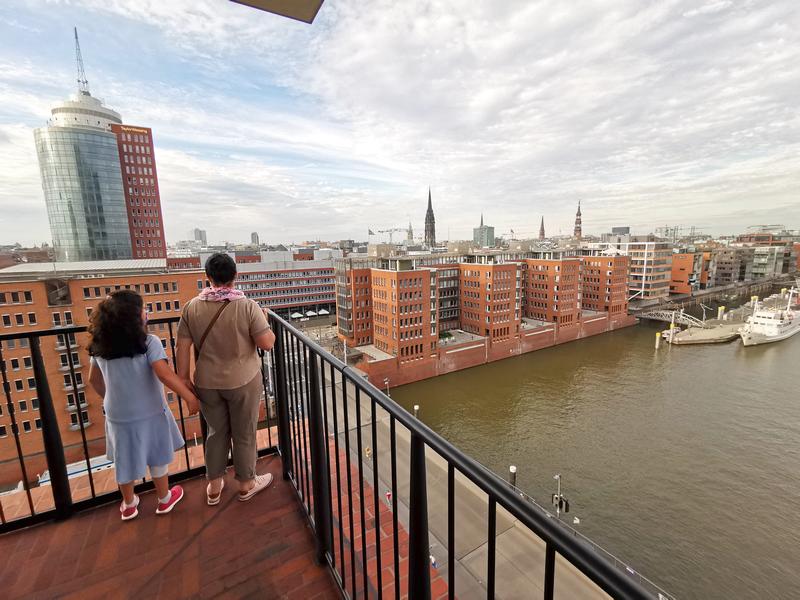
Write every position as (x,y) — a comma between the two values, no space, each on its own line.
(430,224)
(541,230)
(578,229)
(481,219)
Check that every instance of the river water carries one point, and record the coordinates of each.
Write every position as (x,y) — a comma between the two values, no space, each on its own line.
(684,461)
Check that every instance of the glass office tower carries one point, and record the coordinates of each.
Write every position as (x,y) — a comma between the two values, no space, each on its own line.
(82,181)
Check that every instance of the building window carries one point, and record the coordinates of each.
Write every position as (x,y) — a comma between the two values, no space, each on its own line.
(26,426)
(3,431)
(32,318)
(18,385)
(56,319)
(74,417)
(6,321)
(34,404)
(31,383)
(28,362)
(23,406)
(38,423)
(18,319)
(15,364)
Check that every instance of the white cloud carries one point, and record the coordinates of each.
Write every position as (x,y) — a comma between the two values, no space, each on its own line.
(650,113)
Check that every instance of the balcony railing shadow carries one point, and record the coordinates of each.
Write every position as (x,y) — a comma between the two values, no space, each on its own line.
(395,510)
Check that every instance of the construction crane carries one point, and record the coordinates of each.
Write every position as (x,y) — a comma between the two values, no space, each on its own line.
(392,231)
(83,83)
(767,227)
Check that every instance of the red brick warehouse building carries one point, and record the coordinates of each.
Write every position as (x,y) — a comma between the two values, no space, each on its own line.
(392,310)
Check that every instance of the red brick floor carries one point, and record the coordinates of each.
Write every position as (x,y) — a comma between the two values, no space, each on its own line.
(258,549)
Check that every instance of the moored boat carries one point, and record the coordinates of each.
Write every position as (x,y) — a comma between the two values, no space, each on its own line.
(771,325)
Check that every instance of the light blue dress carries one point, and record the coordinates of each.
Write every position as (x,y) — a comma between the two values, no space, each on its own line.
(141,431)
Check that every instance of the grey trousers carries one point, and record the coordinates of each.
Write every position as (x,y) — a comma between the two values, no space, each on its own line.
(232,415)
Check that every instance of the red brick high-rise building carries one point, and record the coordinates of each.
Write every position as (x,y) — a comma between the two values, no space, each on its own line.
(142,197)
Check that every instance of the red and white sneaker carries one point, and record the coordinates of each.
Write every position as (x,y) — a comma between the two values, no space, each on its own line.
(175,496)
(129,512)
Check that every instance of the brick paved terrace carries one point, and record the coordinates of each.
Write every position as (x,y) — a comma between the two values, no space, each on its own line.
(263,548)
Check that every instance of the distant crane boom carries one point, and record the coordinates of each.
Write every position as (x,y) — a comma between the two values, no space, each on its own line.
(83,83)
(392,231)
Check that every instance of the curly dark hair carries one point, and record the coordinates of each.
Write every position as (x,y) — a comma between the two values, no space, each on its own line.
(116,326)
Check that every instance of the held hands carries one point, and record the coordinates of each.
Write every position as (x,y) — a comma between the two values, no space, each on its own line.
(192,404)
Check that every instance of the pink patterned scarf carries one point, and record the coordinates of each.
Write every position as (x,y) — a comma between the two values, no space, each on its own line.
(220,294)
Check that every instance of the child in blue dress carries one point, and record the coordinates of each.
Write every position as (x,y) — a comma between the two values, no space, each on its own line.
(128,367)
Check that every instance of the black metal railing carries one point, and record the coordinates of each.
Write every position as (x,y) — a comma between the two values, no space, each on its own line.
(382,492)
(339,434)
(62,500)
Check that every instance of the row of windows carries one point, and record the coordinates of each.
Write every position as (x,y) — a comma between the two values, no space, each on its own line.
(142,288)
(135,149)
(19,319)
(133,170)
(26,427)
(16,297)
(151,253)
(15,365)
(127,137)
(286,275)
(289,283)
(143,202)
(149,233)
(24,405)
(140,160)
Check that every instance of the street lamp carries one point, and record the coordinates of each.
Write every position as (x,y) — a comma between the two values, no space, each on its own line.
(386,383)
(559,501)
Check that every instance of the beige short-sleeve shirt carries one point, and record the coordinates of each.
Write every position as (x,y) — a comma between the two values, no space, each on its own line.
(229,357)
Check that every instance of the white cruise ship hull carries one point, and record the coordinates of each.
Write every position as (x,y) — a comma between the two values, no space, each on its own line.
(754,338)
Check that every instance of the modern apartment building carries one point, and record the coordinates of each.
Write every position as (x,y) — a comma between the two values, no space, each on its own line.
(649,264)
(731,265)
(767,261)
(689,272)
(412,317)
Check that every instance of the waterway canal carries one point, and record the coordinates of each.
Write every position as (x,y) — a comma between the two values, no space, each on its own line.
(684,462)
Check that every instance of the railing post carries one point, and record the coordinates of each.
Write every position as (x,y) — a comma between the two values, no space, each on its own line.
(51,436)
(319,468)
(549,571)
(419,572)
(282,399)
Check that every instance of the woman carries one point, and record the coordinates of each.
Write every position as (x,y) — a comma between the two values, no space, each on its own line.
(226,329)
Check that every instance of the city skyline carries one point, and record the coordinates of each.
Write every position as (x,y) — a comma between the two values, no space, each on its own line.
(660,116)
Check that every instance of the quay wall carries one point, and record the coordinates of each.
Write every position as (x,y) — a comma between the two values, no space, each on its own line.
(741,289)
(456,357)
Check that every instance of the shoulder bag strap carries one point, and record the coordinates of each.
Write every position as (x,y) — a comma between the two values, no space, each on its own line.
(199,346)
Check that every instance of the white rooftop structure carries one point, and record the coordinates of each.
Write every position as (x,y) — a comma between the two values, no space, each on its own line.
(95,268)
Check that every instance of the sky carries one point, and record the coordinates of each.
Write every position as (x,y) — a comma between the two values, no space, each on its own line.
(651,113)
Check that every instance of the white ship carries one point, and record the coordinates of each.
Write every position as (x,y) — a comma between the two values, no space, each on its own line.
(771,325)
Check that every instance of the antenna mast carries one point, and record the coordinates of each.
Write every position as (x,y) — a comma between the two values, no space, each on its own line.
(83,83)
